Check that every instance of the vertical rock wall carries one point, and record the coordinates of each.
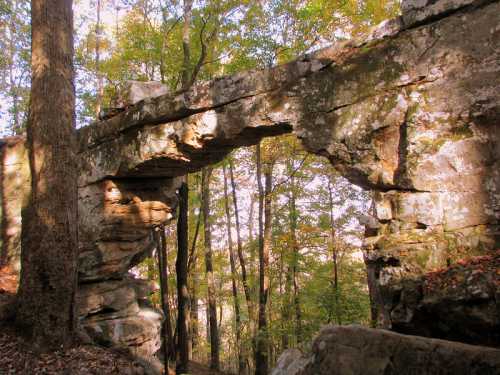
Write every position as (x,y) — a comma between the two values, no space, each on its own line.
(116,218)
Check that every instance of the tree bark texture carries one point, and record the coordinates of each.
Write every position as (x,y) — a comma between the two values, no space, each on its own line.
(46,298)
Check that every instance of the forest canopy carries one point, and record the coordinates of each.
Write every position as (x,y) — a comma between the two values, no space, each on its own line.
(119,40)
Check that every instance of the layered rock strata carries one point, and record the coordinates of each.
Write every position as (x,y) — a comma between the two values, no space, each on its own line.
(410,111)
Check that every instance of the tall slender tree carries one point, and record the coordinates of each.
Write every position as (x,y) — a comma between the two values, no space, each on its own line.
(186,44)
(46,298)
(167,335)
(333,246)
(212,307)
(194,278)
(239,241)
(234,276)
(295,248)
(181,267)
(265,218)
(182,223)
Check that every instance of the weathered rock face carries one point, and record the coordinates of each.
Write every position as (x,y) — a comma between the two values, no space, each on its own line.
(356,350)
(114,313)
(15,184)
(115,221)
(410,111)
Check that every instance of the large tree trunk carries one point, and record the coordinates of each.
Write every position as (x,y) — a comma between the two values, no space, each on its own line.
(212,307)
(262,340)
(181,267)
(46,299)
(232,261)
(182,225)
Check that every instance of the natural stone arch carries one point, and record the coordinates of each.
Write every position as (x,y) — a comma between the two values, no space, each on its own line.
(410,111)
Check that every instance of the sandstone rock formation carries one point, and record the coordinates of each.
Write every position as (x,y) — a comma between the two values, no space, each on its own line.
(357,350)
(15,185)
(410,111)
(132,92)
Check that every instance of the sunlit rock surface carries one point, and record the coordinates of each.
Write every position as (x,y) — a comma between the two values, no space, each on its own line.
(355,350)
(15,185)
(116,217)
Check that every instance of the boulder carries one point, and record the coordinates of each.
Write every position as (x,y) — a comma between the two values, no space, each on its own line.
(138,333)
(357,350)
(290,362)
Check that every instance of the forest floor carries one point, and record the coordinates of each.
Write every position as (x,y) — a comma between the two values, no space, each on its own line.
(199,369)
(16,358)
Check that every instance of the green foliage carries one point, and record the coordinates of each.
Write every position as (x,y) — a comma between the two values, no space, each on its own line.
(15,61)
